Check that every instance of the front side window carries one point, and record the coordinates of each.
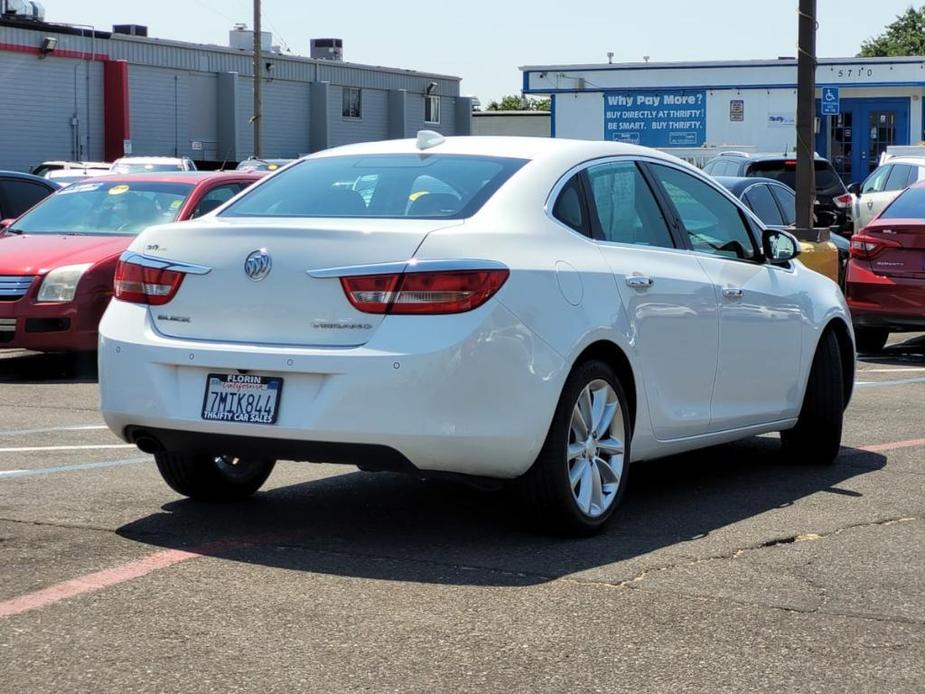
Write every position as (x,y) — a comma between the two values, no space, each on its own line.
(625,207)
(759,200)
(106,208)
(216,197)
(713,223)
(876,182)
(353,102)
(431,109)
(380,185)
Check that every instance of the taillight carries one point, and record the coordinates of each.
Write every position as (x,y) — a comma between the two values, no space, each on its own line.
(843,201)
(145,285)
(866,247)
(419,293)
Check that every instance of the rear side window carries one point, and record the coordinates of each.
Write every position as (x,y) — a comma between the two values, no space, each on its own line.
(900,177)
(909,205)
(626,210)
(788,203)
(19,196)
(570,208)
(713,223)
(428,186)
(759,200)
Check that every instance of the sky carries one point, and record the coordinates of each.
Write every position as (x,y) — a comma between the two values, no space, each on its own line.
(484,41)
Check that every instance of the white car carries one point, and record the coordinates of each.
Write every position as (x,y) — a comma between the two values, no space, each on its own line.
(880,188)
(133,165)
(543,311)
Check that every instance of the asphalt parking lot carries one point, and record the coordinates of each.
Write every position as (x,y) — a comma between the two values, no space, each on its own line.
(727,570)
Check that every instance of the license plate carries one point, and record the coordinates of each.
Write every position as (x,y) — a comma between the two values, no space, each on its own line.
(241,398)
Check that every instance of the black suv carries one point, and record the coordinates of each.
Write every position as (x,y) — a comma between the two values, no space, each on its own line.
(784,169)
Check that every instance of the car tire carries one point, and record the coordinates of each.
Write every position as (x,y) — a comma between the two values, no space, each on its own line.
(816,438)
(870,340)
(574,486)
(213,478)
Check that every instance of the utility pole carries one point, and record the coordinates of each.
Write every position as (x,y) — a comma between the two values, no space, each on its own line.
(806,116)
(258,79)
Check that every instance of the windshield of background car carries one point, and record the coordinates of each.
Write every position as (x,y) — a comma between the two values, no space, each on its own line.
(785,171)
(144,168)
(106,208)
(423,186)
(909,205)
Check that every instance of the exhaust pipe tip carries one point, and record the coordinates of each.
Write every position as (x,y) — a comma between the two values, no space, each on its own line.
(148,444)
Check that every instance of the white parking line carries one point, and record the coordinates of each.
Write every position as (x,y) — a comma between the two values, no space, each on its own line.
(892,371)
(48,430)
(31,449)
(9,474)
(902,382)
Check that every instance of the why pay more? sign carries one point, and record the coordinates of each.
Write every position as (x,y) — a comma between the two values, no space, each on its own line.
(675,118)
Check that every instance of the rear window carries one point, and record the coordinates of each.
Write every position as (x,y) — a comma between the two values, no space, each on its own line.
(424,186)
(909,205)
(785,171)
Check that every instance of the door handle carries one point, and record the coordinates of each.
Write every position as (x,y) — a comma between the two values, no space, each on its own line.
(732,292)
(639,282)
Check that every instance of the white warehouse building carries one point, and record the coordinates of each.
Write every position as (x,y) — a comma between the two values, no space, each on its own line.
(870,104)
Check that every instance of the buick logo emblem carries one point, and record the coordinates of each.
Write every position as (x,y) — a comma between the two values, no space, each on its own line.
(258,265)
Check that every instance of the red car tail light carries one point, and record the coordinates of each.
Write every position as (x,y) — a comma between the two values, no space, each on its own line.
(144,285)
(842,201)
(423,293)
(865,247)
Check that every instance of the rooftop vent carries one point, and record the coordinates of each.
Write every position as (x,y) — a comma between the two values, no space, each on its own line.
(242,38)
(23,9)
(327,49)
(130,29)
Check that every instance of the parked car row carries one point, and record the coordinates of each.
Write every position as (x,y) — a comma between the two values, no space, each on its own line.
(57,261)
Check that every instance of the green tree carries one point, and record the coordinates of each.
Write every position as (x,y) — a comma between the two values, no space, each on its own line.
(513,102)
(905,36)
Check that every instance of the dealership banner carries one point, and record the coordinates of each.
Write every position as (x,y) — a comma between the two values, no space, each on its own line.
(652,118)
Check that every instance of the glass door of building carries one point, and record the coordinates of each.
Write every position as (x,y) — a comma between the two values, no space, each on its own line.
(861,133)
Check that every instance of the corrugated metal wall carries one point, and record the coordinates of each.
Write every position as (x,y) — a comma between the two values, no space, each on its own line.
(39,98)
(173,99)
(286,118)
(372,126)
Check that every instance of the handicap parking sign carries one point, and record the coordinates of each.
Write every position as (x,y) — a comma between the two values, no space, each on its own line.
(830,105)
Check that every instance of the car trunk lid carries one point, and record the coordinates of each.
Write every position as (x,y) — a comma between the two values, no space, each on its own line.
(286,306)
(904,251)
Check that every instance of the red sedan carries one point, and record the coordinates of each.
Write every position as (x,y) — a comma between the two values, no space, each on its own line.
(885,280)
(57,261)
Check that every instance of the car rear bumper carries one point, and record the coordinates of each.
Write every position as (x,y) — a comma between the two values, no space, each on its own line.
(470,393)
(875,300)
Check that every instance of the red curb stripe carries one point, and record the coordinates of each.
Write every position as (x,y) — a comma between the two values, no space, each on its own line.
(126,572)
(892,446)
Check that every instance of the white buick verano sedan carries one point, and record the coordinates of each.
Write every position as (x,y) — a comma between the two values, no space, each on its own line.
(544,311)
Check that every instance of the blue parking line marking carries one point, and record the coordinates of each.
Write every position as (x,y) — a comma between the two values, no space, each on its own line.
(71,468)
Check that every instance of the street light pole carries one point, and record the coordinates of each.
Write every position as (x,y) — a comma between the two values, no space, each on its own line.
(806,115)
(258,79)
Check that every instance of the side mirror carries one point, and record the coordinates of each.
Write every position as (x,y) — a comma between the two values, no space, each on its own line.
(6,224)
(854,188)
(780,247)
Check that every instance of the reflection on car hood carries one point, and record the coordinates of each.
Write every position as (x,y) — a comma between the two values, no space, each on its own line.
(32,255)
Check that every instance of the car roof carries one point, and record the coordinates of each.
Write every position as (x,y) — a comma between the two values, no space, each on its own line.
(737,184)
(533,148)
(905,159)
(191,177)
(762,156)
(20,176)
(149,160)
